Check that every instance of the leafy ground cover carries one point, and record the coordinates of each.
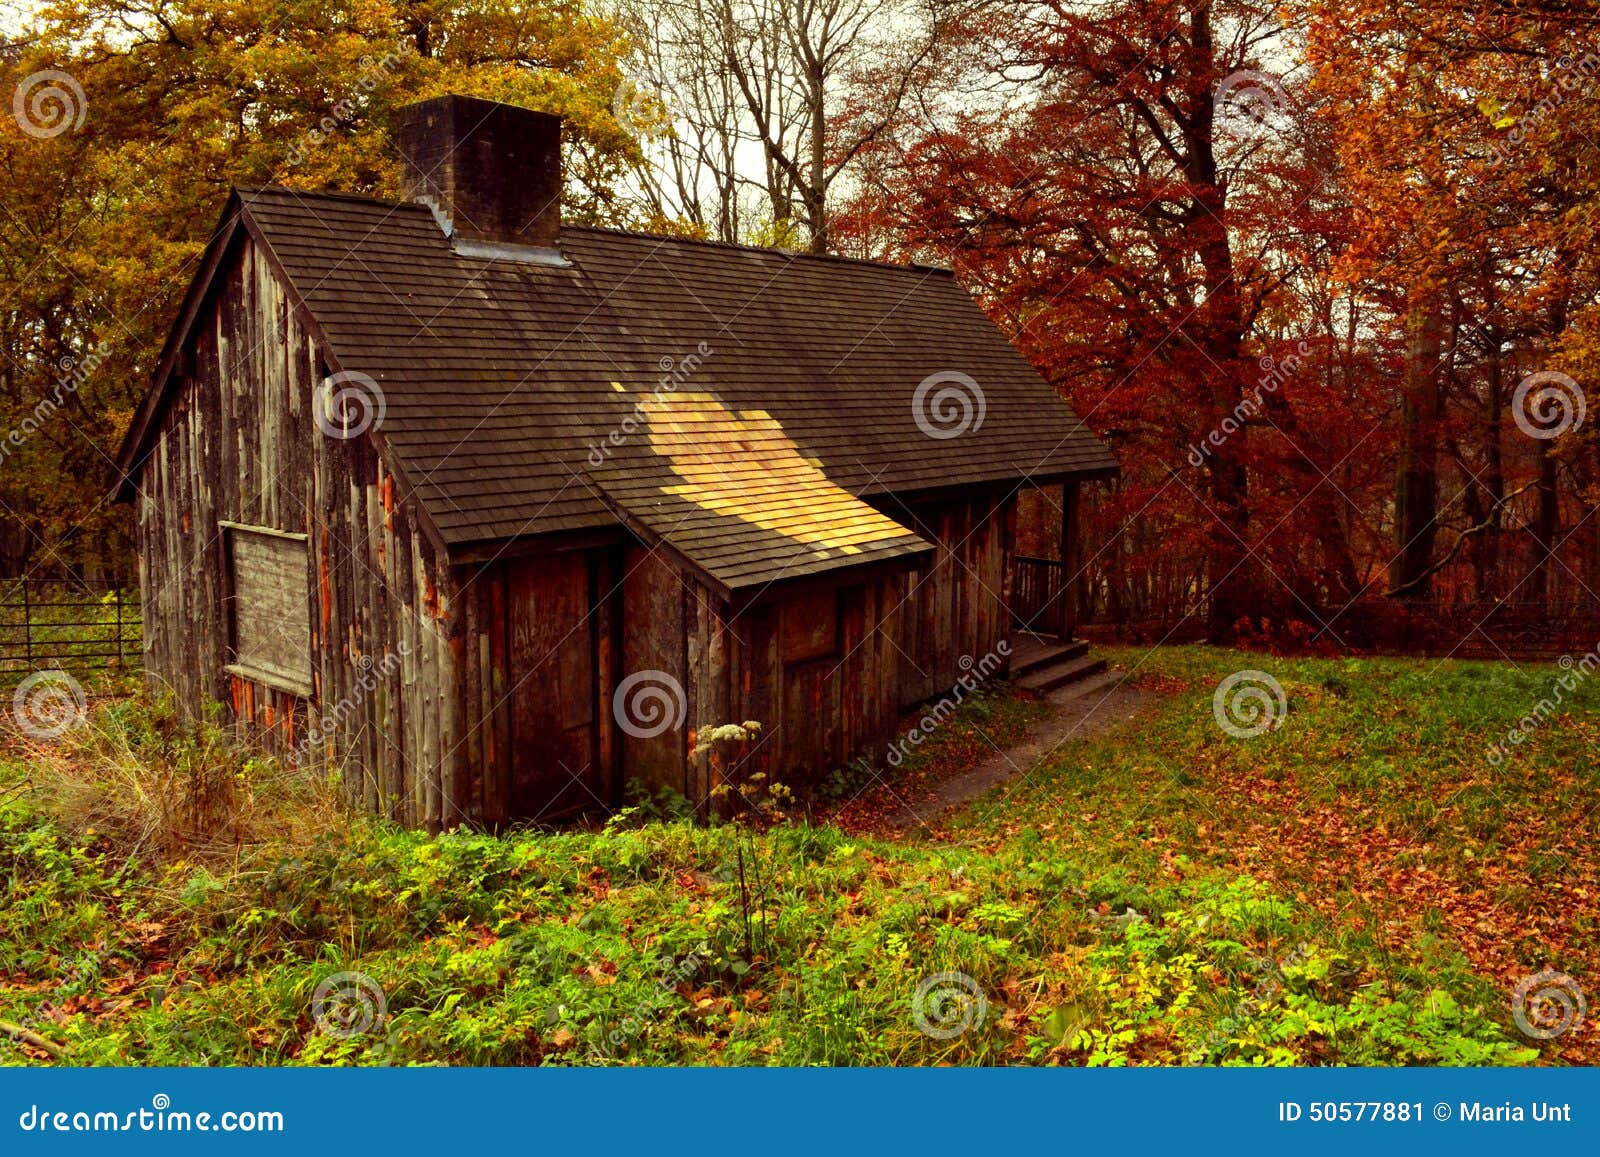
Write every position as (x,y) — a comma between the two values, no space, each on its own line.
(1358,885)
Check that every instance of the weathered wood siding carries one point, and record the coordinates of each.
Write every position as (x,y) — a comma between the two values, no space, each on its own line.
(958,607)
(239,444)
(654,655)
(826,668)
(540,647)
(819,711)
(1039,511)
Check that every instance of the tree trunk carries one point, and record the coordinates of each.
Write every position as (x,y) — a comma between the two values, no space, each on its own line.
(1542,580)
(1416,496)
(816,192)
(1234,594)
(1487,554)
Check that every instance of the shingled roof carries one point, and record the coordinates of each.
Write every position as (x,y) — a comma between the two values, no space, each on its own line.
(732,494)
(525,398)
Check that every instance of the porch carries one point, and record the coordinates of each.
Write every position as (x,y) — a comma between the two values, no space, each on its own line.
(1042,592)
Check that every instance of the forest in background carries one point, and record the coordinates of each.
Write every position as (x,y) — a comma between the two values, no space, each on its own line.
(1324,275)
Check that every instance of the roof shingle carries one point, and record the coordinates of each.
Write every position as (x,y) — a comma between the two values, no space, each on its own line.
(504,383)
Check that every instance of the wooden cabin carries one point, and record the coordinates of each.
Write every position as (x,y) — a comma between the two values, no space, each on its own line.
(494,513)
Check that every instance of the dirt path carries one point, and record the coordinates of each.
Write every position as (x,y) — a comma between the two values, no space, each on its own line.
(1078,712)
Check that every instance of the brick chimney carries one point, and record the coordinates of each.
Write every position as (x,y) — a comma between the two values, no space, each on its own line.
(490,172)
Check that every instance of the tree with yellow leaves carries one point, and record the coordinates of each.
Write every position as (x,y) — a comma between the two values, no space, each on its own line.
(125,122)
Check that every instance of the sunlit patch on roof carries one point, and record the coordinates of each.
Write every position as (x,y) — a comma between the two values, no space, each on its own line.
(731,492)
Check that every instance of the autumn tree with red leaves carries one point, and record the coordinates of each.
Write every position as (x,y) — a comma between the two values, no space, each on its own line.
(1467,140)
(1295,265)
(1148,222)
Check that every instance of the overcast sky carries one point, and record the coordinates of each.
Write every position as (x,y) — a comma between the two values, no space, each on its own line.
(12,15)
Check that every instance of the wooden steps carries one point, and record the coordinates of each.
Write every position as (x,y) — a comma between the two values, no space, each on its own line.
(1044,666)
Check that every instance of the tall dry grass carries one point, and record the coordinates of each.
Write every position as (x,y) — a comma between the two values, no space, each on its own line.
(158,787)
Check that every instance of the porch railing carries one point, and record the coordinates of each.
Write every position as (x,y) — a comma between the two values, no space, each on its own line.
(1035,587)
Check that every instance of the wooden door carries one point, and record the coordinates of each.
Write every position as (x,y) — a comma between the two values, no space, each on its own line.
(812,660)
(554,739)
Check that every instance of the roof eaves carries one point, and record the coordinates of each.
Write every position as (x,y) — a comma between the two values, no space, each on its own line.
(656,541)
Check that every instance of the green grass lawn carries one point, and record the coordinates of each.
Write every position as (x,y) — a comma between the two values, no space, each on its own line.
(1358,885)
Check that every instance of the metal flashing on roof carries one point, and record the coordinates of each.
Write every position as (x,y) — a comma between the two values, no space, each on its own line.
(502,251)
